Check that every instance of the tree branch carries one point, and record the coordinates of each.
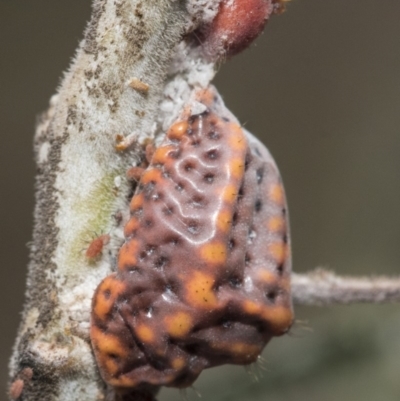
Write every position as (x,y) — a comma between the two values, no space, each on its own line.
(321,287)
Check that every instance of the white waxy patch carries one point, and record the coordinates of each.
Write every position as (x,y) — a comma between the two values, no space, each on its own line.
(43,152)
(117,181)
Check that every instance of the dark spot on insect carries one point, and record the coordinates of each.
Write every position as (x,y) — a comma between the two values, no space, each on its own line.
(179,187)
(226,119)
(112,355)
(247,259)
(143,255)
(107,294)
(193,227)
(226,324)
(240,193)
(169,287)
(235,218)
(148,223)
(192,119)
(283,211)
(285,239)
(258,153)
(260,175)
(209,178)
(198,201)
(150,249)
(175,154)
(158,364)
(174,241)
(161,262)
(247,161)
(271,296)
(280,268)
(258,205)
(235,282)
(189,167)
(122,299)
(214,135)
(231,243)
(196,143)
(168,210)
(212,154)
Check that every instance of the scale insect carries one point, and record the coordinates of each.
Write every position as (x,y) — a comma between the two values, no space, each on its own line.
(203,277)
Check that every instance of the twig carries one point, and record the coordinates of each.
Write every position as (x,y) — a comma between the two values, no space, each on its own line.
(321,287)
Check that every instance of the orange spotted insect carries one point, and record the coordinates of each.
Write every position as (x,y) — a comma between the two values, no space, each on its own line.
(203,277)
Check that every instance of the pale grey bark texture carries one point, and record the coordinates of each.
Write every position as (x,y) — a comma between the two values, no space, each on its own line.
(322,287)
(130,77)
(81,189)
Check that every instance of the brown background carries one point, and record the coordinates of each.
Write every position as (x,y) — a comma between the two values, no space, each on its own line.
(322,88)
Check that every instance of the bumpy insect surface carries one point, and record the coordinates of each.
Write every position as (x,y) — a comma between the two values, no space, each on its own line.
(203,277)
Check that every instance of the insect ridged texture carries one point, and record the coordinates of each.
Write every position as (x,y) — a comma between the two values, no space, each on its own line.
(204,275)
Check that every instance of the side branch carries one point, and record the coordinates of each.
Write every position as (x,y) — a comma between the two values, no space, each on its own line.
(321,287)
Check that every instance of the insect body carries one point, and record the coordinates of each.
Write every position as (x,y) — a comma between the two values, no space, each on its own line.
(203,277)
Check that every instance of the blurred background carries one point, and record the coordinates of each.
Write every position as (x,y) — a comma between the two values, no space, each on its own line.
(321,87)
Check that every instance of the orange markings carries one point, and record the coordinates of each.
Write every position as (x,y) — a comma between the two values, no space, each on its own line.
(251,307)
(178,363)
(228,193)
(276,193)
(199,289)
(236,167)
(106,295)
(145,333)
(237,140)
(213,253)
(276,223)
(122,381)
(95,248)
(280,318)
(107,344)
(248,351)
(266,276)
(128,254)
(224,220)
(153,174)
(162,153)
(179,324)
(131,227)
(137,202)
(177,130)
(278,251)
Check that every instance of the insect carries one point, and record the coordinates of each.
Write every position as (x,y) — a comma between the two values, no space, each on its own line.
(203,277)
(95,248)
